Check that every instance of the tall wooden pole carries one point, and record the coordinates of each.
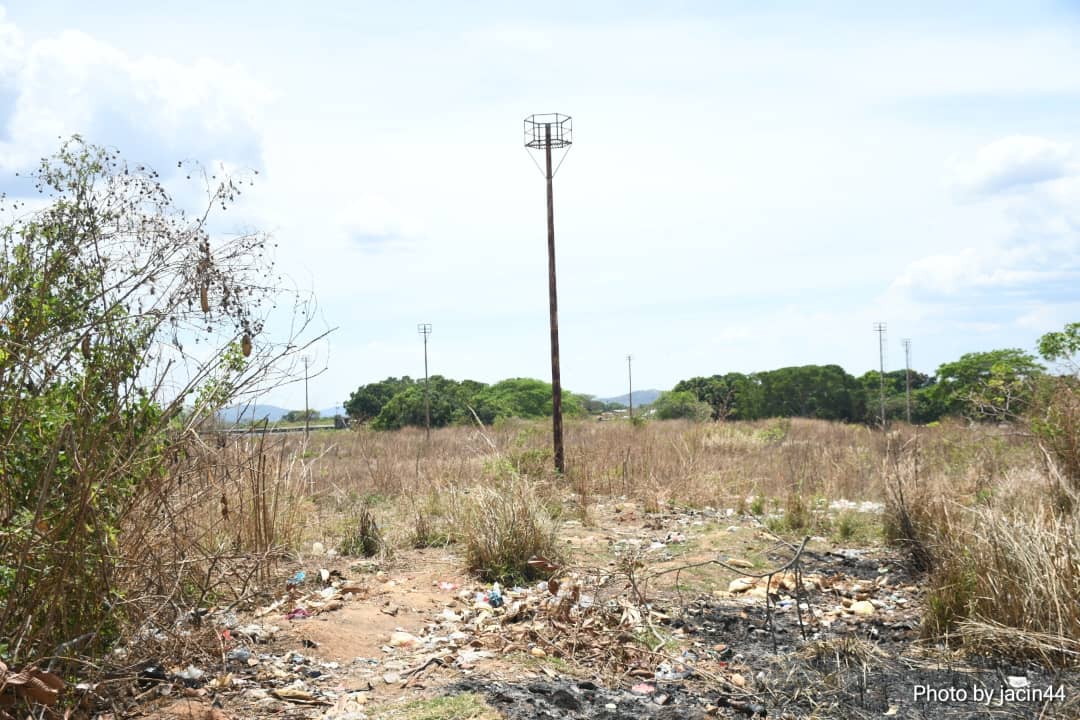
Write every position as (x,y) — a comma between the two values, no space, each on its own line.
(553,306)
(427,396)
(307,406)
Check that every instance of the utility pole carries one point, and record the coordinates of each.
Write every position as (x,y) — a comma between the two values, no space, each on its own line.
(907,377)
(307,412)
(879,328)
(547,131)
(630,379)
(425,330)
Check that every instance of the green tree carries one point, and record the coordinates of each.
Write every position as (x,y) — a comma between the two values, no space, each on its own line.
(1062,346)
(448,401)
(525,398)
(300,415)
(1054,412)
(815,391)
(732,396)
(368,400)
(922,409)
(986,384)
(680,405)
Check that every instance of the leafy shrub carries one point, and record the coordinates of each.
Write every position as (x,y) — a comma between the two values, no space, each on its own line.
(680,405)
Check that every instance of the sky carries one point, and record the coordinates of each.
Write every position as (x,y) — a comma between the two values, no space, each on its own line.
(751,185)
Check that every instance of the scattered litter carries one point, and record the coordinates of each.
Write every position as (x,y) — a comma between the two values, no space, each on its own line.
(240,655)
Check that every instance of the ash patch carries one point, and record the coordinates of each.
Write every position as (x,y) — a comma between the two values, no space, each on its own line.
(558,699)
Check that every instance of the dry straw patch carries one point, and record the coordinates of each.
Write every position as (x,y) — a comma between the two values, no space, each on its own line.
(1002,550)
(1009,575)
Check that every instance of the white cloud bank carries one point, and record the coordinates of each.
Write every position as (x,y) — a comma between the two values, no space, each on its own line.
(156,110)
(1010,163)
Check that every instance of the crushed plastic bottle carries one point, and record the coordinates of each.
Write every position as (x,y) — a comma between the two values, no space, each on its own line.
(494,596)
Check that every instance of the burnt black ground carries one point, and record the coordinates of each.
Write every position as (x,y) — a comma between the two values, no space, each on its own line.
(855,668)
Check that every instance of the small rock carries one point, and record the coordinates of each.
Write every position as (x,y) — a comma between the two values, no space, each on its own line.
(739,563)
(391,678)
(740,585)
(863,607)
(738,680)
(538,652)
(291,693)
(1017,681)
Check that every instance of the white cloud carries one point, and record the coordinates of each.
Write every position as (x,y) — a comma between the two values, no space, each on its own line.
(1010,163)
(156,111)
(986,269)
(11,46)
(1019,279)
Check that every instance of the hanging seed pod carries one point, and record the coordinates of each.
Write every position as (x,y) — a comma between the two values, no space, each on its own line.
(245,345)
(85,346)
(204,297)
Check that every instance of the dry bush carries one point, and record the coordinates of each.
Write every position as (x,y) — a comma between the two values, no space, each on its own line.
(215,530)
(365,539)
(1008,578)
(1055,421)
(1003,559)
(501,525)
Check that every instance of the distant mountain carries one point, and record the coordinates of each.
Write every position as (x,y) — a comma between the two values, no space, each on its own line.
(247,413)
(251,412)
(641,397)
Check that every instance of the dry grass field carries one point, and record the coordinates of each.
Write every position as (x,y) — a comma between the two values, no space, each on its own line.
(977,516)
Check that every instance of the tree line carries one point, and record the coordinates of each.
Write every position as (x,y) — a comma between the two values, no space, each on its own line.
(394,403)
(978,384)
